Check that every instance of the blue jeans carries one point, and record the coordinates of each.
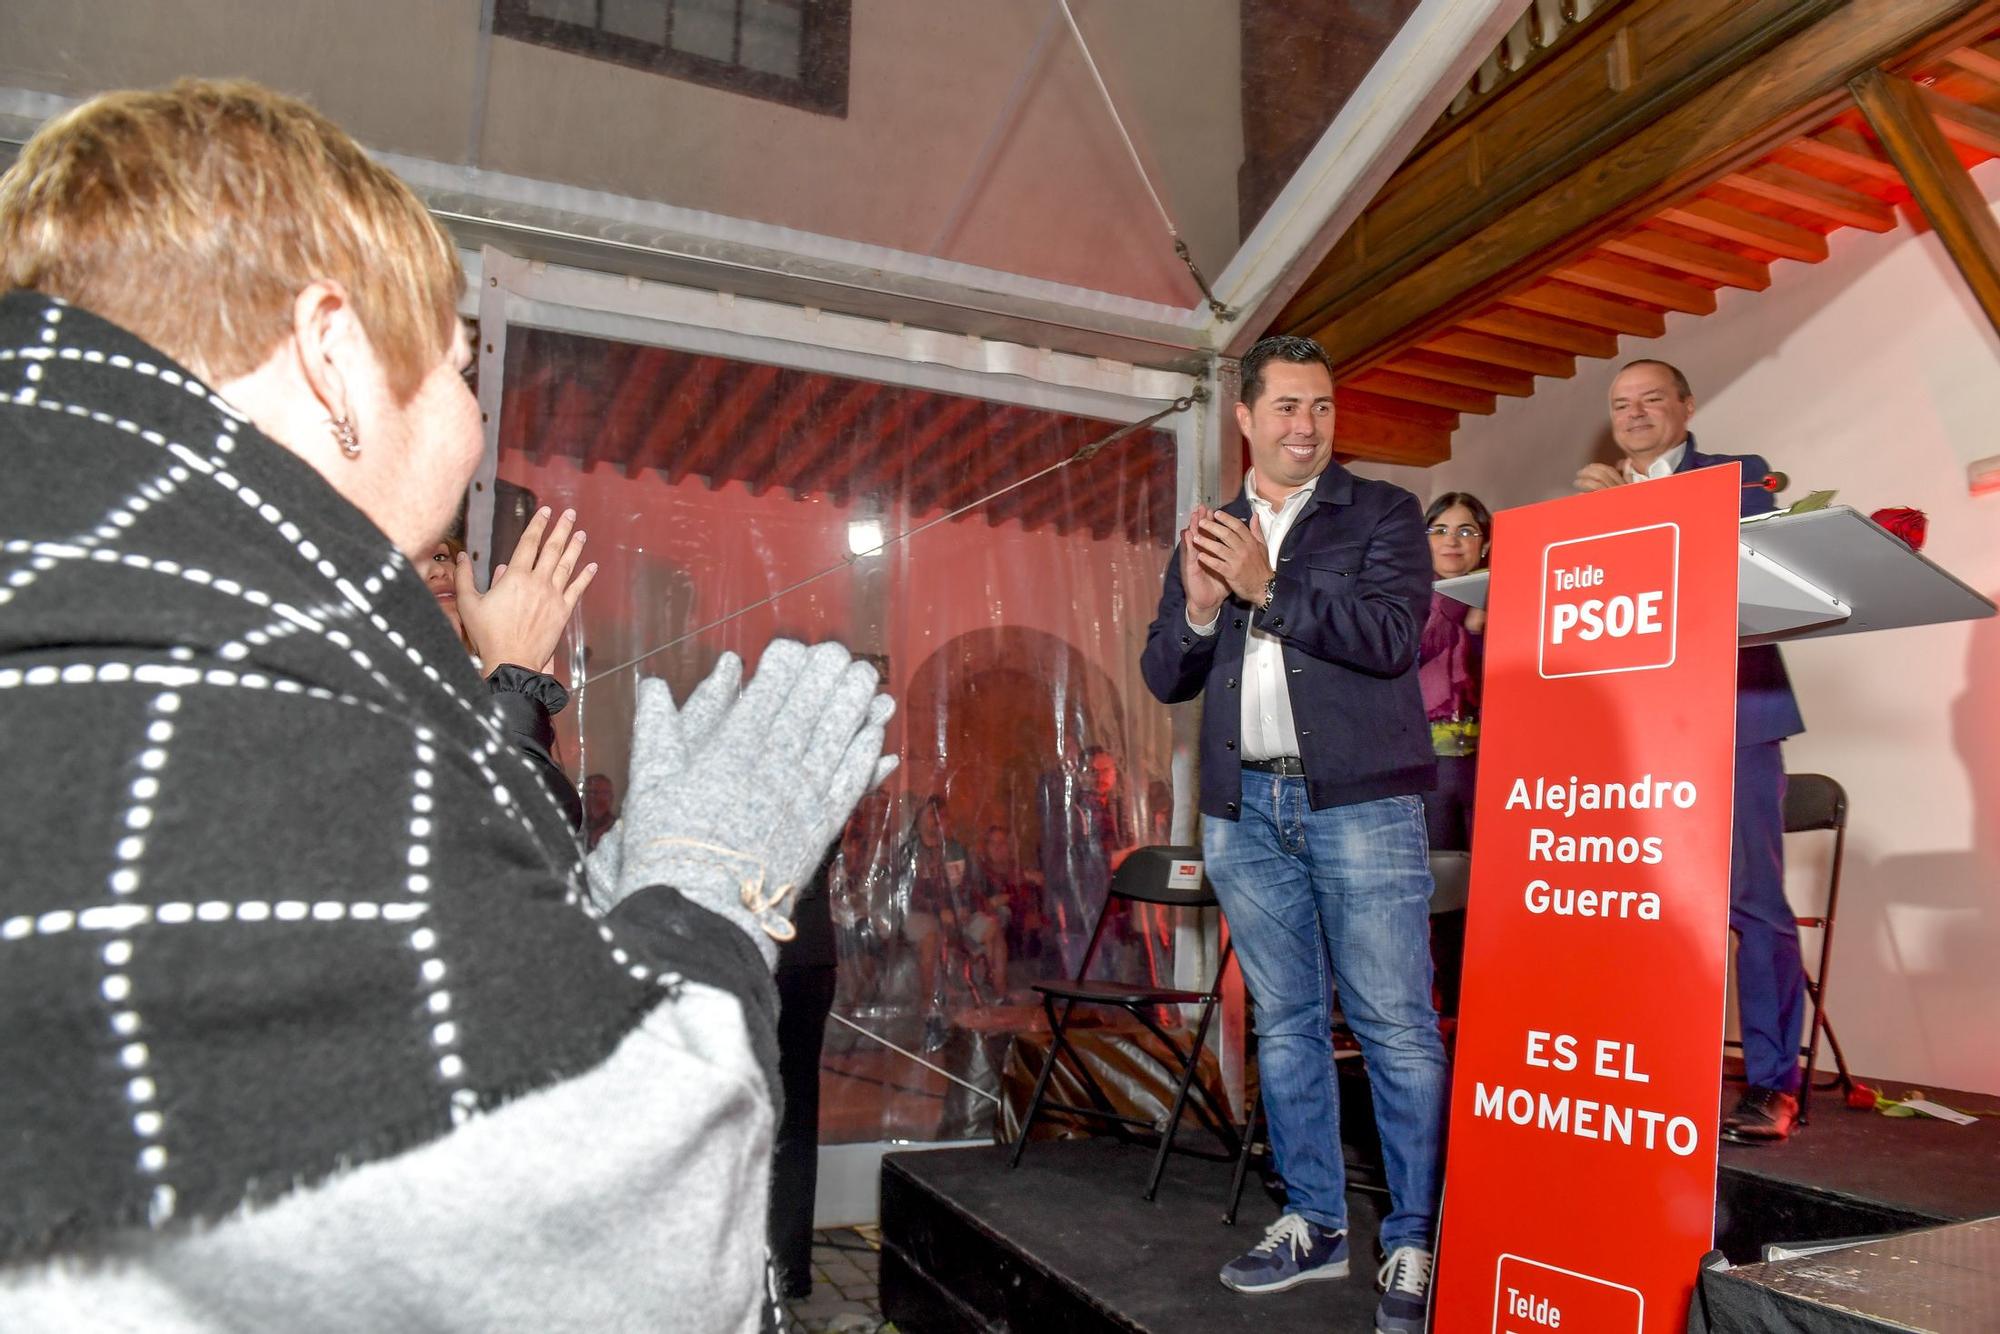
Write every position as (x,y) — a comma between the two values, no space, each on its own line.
(1315,900)
(1770,978)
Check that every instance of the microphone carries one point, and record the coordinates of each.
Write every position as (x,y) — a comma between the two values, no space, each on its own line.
(1770,481)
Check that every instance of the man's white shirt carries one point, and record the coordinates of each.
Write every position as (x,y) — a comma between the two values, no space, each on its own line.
(1268,731)
(1662,466)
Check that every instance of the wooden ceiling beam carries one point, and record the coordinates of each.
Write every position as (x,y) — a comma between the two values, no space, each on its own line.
(1051,440)
(1745,227)
(869,466)
(1348,399)
(952,462)
(617,359)
(1116,479)
(1691,257)
(1586,340)
(1636,64)
(829,471)
(746,449)
(1009,459)
(523,404)
(1849,150)
(803,389)
(561,429)
(1008,508)
(908,460)
(821,434)
(1153,493)
(792,424)
(1967,126)
(1136,518)
(1793,78)
(1379,439)
(639,385)
(1127,509)
(1981,58)
(1608,275)
(716,409)
(1903,118)
(1044,492)
(1099,512)
(1573,303)
(1459,370)
(666,443)
(1803,190)
(1146,483)
(820,431)
(1063,492)
(1416,389)
(1502,352)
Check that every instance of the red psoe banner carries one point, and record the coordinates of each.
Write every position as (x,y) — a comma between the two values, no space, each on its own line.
(1580,1184)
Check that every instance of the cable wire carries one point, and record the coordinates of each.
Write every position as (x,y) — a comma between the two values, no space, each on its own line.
(1181,250)
(904,1051)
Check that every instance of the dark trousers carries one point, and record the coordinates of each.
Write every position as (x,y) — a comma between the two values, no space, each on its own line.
(1448,807)
(805,996)
(1448,824)
(1770,977)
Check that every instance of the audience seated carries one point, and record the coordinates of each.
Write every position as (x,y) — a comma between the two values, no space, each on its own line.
(944,917)
(1014,895)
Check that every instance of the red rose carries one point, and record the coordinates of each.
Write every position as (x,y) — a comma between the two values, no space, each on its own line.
(1907,524)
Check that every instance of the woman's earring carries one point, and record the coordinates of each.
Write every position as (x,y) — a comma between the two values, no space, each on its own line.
(344,436)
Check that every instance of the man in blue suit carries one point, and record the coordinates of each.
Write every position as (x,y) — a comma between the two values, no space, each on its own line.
(1296,609)
(1651,406)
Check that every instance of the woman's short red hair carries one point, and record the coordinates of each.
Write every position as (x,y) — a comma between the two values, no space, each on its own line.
(193,215)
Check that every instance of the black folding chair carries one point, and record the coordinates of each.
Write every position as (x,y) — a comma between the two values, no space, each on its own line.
(1816,802)
(1157,875)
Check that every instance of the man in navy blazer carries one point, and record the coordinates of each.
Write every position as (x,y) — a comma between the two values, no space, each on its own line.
(1296,610)
(1651,405)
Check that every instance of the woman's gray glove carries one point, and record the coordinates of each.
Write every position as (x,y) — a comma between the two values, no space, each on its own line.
(734,798)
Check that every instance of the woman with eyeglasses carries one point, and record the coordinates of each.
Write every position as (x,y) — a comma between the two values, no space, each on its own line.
(1449,660)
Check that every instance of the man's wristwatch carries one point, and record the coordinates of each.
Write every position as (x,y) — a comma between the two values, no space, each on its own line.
(1270,591)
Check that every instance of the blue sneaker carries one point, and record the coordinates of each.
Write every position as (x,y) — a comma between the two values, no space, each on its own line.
(1293,1251)
(1405,1281)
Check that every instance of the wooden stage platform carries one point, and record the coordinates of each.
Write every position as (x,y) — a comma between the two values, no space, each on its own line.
(1066,1243)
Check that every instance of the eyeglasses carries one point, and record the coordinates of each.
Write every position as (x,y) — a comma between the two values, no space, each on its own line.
(1467,531)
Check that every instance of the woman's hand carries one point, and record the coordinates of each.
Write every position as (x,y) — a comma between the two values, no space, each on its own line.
(521,615)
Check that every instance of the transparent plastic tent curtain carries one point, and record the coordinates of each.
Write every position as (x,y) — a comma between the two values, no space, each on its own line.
(1032,756)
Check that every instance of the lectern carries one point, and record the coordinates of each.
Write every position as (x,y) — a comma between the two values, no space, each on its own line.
(1833,571)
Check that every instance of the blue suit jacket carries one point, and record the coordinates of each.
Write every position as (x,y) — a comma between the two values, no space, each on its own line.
(1354,584)
(1765,707)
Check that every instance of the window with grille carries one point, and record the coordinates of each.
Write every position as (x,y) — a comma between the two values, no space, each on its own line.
(790,51)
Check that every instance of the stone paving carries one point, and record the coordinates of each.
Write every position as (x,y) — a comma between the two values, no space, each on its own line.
(845,1298)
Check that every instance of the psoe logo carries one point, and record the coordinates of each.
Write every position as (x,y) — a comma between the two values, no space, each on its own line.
(1608,602)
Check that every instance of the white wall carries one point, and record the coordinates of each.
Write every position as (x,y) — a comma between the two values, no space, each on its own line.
(1057,199)
(1876,374)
